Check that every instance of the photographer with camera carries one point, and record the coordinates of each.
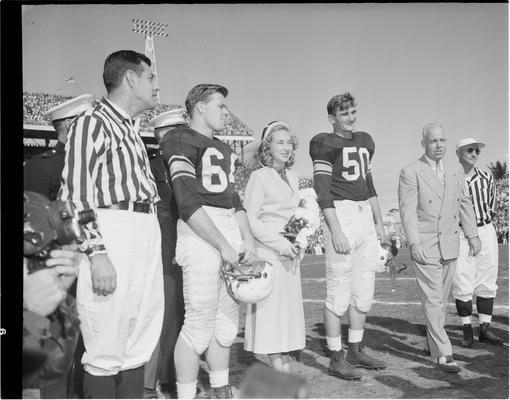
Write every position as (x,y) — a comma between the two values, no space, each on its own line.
(50,266)
(50,319)
(42,174)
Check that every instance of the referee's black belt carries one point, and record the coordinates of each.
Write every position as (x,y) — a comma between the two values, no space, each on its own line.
(479,224)
(142,207)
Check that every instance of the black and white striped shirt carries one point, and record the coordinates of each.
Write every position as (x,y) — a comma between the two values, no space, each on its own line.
(105,162)
(483,193)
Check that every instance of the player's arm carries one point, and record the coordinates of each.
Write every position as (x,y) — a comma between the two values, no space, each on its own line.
(372,195)
(378,220)
(85,144)
(204,227)
(323,160)
(492,196)
(249,248)
(182,158)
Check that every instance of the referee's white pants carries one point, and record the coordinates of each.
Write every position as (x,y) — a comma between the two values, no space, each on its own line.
(477,275)
(121,330)
(210,312)
(350,278)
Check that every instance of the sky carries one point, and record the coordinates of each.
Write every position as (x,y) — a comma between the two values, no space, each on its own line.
(406,64)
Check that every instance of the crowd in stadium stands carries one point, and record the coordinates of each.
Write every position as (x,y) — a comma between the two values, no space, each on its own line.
(35,104)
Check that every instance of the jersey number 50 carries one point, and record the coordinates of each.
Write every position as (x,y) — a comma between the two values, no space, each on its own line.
(353,165)
(208,170)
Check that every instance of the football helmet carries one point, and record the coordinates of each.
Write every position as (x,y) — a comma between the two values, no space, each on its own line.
(248,283)
(385,254)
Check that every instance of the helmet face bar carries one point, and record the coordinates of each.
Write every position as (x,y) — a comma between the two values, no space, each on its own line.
(248,283)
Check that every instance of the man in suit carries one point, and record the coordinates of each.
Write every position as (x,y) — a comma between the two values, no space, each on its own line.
(433,201)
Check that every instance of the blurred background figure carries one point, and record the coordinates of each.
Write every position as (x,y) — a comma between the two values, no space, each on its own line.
(161,365)
(42,172)
(263,382)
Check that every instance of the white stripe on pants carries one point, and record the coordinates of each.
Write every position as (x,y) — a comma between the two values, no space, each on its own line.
(477,275)
(121,330)
(210,312)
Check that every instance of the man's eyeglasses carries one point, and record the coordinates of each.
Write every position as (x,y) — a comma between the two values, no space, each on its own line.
(470,150)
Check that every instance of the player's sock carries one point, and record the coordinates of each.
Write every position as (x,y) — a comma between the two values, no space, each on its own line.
(464,308)
(186,390)
(484,318)
(218,378)
(355,335)
(334,343)
(484,306)
(466,320)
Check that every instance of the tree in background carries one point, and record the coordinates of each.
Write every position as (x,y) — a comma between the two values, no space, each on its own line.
(498,170)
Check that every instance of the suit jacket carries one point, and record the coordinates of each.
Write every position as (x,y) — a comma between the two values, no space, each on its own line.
(431,212)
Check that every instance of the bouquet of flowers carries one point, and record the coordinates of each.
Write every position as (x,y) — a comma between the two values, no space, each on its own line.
(306,220)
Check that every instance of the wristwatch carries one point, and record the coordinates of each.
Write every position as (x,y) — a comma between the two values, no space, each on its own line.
(95,249)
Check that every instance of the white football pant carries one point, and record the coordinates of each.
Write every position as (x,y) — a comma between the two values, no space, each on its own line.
(350,278)
(210,312)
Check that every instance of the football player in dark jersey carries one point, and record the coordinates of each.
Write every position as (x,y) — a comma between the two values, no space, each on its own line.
(212,228)
(347,197)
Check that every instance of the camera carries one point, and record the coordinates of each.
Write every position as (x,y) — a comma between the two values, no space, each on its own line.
(48,225)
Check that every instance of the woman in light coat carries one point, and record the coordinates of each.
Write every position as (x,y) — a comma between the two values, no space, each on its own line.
(276,325)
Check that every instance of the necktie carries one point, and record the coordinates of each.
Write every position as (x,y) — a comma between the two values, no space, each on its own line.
(440,172)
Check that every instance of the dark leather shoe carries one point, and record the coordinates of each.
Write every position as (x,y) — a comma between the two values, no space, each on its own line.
(467,340)
(358,358)
(449,365)
(340,368)
(486,336)
(169,390)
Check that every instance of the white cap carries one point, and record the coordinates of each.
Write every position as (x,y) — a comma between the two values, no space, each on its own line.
(467,141)
(70,108)
(169,118)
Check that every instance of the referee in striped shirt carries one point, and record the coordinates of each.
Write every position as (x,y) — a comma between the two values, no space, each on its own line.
(120,292)
(476,275)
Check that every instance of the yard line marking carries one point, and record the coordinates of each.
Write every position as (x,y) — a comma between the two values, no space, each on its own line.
(377,279)
(397,303)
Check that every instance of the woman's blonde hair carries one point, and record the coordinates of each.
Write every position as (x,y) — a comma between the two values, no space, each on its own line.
(264,152)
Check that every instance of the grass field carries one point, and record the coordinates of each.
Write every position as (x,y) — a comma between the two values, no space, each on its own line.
(395,332)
